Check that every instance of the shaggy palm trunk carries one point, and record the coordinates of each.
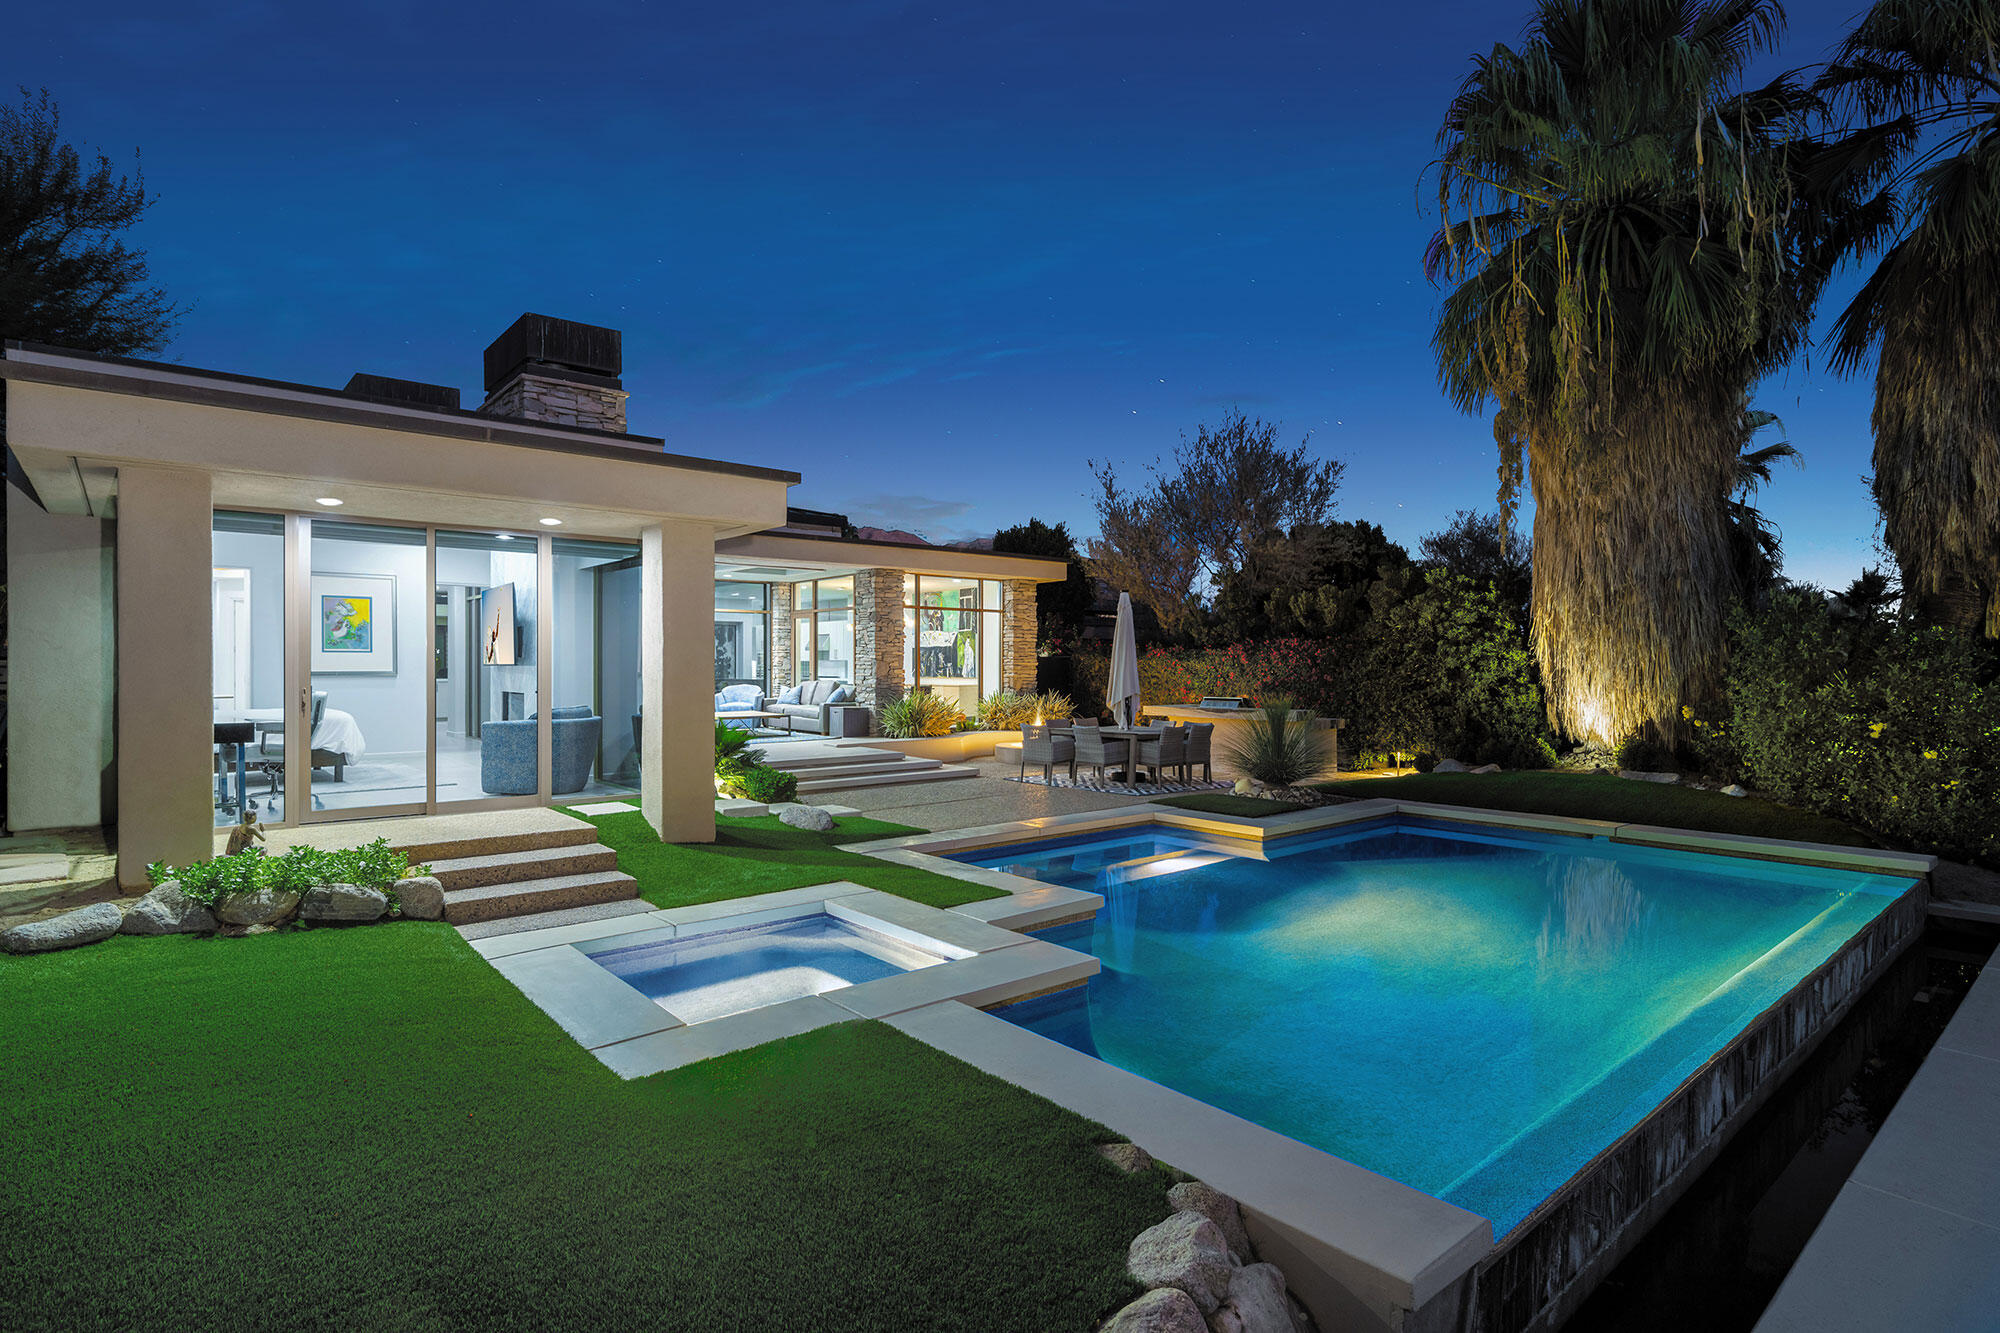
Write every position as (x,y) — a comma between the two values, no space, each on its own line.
(1937,475)
(1632,559)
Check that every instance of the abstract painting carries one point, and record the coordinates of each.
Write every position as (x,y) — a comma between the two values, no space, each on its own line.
(355,624)
(346,624)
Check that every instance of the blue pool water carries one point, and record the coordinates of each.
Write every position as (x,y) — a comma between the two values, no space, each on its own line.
(728,971)
(1474,1012)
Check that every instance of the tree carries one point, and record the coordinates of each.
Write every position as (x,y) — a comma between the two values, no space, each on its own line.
(1478,547)
(1311,582)
(65,276)
(1230,488)
(1059,607)
(1756,547)
(1630,241)
(1932,305)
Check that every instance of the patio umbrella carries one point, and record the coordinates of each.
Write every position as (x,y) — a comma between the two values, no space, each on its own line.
(1122,693)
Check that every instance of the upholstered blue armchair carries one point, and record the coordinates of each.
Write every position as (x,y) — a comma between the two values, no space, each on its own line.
(507,753)
(739,699)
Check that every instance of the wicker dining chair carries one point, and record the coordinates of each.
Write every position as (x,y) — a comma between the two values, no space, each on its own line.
(1200,738)
(1045,746)
(1166,751)
(1098,750)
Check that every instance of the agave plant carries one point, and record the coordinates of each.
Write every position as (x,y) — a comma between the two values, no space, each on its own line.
(1280,750)
(920,715)
(1631,239)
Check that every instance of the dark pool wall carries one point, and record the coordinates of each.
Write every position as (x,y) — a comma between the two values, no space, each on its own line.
(1541,1271)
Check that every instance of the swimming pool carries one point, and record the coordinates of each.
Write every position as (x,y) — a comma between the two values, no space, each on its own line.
(1475,1012)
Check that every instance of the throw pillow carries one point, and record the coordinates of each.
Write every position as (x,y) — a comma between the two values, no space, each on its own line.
(840,696)
(790,696)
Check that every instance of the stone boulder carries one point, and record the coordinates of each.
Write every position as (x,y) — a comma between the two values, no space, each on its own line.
(1192,1196)
(85,925)
(167,911)
(1186,1252)
(264,907)
(1256,1303)
(1449,766)
(342,902)
(1165,1310)
(805,817)
(1635,775)
(1127,1157)
(1734,789)
(421,897)
(1487,768)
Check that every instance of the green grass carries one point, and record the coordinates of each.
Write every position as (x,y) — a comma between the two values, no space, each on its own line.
(372,1129)
(1600,796)
(1226,803)
(762,855)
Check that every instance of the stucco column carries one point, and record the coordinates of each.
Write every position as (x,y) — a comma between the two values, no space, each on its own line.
(166,719)
(677,680)
(1017,634)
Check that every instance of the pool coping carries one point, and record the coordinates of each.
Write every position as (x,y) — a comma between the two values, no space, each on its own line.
(634,1036)
(1349,1271)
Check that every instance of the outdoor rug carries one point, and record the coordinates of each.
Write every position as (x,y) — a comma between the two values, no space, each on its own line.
(1113,788)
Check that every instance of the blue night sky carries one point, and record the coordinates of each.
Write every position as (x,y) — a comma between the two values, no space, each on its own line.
(932,256)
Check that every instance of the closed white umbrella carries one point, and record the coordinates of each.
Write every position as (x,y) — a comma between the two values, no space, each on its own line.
(1122,693)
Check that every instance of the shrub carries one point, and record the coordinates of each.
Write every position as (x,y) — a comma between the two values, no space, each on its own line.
(1280,750)
(374,866)
(1010,710)
(1644,751)
(920,715)
(768,785)
(1891,728)
(732,751)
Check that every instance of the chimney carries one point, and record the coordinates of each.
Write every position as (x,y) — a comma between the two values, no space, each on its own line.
(558,372)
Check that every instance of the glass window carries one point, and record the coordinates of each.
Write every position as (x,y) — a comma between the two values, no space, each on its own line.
(836,592)
(953,631)
(248,656)
(487,709)
(739,596)
(371,617)
(596,668)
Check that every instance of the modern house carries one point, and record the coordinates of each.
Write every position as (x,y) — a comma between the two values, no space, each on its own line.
(387,604)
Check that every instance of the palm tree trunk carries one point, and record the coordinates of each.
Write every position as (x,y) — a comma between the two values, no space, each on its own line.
(1632,558)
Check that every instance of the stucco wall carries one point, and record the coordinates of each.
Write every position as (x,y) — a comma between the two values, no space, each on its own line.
(60,731)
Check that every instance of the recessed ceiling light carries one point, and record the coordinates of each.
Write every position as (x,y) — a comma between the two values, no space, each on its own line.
(551,522)
(504,536)
(329,501)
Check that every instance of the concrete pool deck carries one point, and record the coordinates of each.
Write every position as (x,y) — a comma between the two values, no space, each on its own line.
(1913,1238)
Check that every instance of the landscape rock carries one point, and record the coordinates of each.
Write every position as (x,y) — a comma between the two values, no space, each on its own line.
(1487,768)
(238,932)
(1217,1207)
(1634,775)
(86,925)
(1449,766)
(1734,789)
(167,911)
(264,907)
(342,902)
(805,817)
(421,897)
(1256,1303)
(1244,787)
(1186,1252)
(1127,1157)
(1165,1310)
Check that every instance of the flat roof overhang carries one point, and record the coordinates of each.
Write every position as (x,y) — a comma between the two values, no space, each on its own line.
(804,557)
(73,420)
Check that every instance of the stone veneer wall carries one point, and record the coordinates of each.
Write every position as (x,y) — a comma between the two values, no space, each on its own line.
(781,638)
(559,402)
(879,644)
(1018,635)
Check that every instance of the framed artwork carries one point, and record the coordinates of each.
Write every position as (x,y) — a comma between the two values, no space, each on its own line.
(354,624)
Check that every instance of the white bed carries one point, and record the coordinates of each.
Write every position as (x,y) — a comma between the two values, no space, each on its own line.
(337,734)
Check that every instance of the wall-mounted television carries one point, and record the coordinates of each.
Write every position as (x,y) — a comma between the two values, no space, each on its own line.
(499,637)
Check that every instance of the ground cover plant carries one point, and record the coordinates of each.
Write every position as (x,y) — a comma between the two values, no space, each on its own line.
(1602,796)
(741,771)
(375,865)
(375,1130)
(765,855)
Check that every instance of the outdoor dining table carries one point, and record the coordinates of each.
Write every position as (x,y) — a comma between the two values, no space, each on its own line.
(1130,774)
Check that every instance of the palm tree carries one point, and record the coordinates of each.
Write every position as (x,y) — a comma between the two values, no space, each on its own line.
(1933,303)
(1632,240)
(1756,548)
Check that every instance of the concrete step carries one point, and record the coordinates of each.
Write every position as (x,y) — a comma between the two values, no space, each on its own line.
(901,772)
(512,867)
(891,778)
(574,833)
(777,758)
(491,902)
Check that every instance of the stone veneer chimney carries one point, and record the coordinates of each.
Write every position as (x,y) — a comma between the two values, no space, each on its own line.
(557,371)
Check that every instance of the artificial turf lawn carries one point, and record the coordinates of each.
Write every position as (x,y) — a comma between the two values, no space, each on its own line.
(1226,803)
(763,855)
(371,1129)
(1601,796)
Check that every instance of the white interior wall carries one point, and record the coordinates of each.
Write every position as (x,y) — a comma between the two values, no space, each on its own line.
(392,711)
(264,556)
